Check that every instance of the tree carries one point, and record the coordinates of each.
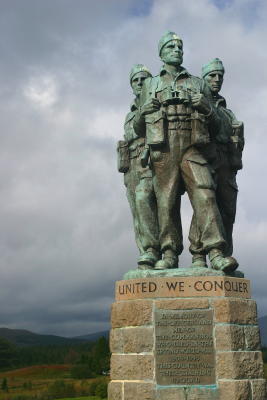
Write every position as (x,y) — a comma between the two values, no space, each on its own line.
(81,371)
(8,353)
(100,356)
(102,390)
(4,385)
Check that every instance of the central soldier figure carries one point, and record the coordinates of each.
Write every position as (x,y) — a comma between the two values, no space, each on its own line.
(179,117)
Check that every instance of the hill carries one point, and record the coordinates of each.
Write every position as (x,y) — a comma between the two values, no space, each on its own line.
(263,329)
(93,336)
(22,337)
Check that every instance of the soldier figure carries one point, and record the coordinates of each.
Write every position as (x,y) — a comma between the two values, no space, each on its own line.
(178,115)
(229,143)
(138,180)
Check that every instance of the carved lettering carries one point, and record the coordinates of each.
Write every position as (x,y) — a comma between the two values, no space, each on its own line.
(186,287)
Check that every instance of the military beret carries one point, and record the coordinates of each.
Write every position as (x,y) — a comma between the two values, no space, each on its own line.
(167,37)
(138,68)
(214,65)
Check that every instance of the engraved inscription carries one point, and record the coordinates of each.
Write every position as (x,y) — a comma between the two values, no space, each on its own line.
(184,347)
(182,287)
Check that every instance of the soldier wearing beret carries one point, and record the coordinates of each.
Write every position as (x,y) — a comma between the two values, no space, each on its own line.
(229,144)
(178,117)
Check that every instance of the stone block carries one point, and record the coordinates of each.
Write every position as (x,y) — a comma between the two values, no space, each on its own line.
(259,389)
(131,313)
(252,337)
(237,311)
(171,394)
(239,365)
(115,391)
(138,340)
(202,394)
(132,367)
(182,304)
(139,390)
(141,284)
(116,341)
(234,390)
(229,337)
(132,340)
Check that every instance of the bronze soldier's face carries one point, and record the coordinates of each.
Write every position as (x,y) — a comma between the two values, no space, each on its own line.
(172,52)
(137,82)
(214,80)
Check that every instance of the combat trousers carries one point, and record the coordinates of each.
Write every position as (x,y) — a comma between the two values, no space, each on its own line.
(177,166)
(141,197)
(226,197)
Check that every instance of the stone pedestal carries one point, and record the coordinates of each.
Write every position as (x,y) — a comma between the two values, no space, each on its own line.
(185,338)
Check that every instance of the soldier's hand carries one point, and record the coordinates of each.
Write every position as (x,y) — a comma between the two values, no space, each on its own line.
(150,107)
(200,102)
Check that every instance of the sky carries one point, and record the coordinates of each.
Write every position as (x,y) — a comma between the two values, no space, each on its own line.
(66,232)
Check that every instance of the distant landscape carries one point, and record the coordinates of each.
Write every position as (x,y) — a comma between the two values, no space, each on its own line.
(22,337)
(48,367)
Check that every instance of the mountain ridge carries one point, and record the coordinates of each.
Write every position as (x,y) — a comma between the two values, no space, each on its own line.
(26,338)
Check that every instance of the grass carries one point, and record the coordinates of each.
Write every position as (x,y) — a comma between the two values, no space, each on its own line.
(84,398)
(35,380)
(39,372)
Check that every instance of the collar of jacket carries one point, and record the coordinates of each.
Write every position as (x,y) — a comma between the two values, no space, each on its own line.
(183,71)
(219,100)
(134,105)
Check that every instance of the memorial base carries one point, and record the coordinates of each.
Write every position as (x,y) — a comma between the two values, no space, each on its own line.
(185,338)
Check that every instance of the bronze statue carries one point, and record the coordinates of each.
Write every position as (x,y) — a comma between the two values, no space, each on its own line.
(228,144)
(138,179)
(175,136)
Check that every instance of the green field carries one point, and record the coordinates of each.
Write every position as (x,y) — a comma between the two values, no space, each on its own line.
(47,382)
(84,398)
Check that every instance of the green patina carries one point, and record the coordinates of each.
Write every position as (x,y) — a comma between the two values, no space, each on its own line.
(180,137)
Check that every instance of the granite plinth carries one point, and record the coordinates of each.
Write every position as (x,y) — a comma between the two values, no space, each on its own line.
(185,337)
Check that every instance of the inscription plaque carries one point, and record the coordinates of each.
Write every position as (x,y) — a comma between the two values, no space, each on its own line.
(184,347)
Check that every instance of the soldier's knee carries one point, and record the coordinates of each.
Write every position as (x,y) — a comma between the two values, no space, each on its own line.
(142,195)
(204,196)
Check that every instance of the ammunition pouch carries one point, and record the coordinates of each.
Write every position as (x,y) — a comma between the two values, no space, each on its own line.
(156,127)
(123,156)
(235,154)
(236,145)
(145,157)
(199,129)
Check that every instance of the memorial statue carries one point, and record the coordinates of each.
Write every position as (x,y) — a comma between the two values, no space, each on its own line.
(183,333)
(138,179)
(229,144)
(172,142)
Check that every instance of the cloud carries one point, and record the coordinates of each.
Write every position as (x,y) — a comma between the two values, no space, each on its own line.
(41,91)
(66,230)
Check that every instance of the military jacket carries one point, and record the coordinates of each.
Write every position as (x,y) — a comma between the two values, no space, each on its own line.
(230,138)
(174,93)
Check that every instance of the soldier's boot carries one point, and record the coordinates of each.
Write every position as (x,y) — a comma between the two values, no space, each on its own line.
(199,261)
(221,263)
(170,260)
(148,259)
